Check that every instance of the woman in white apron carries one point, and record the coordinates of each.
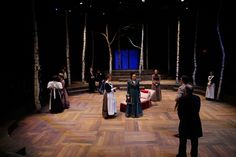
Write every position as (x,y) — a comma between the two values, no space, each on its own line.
(210,89)
(109,100)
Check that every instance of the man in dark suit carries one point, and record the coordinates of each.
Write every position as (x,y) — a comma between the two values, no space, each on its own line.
(190,126)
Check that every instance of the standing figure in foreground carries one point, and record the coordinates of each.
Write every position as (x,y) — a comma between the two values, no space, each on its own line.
(184,80)
(190,126)
(134,108)
(109,100)
(210,89)
(55,102)
(156,85)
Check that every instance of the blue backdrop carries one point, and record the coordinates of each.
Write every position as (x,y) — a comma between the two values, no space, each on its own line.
(126,59)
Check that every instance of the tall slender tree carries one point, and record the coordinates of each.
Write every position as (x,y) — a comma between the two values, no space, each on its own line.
(106,35)
(36,62)
(223,53)
(67,49)
(195,49)
(177,55)
(141,68)
(84,47)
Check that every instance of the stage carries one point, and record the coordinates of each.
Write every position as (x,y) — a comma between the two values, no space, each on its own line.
(81,131)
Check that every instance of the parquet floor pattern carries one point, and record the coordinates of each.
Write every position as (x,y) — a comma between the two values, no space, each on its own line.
(80,131)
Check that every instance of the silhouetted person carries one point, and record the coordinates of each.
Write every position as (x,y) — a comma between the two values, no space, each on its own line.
(190,126)
(184,80)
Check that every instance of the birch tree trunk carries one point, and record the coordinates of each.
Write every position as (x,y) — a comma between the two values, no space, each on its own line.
(106,35)
(177,55)
(110,59)
(223,56)
(141,52)
(84,48)
(195,50)
(36,63)
(67,50)
(110,51)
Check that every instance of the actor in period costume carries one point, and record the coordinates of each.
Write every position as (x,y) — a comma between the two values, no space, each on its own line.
(190,126)
(109,100)
(156,85)
(184,80)
(210,89)
(55,102)
(91,81)
(101,81)
(64,93)
(134,108)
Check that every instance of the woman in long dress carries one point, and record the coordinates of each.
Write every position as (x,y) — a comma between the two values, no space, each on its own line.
(55,102)
(134,108)
(156,85)
(64,93)
(109,101)
(210,89)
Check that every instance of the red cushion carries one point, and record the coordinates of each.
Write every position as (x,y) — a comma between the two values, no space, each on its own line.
(144,91)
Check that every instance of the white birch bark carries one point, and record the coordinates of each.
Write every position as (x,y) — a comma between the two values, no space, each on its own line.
(84,48)
(141,52)
(36,63)
(68,50)
(195,50)
(106,35)
(223,56)
(110,51)
(177,55)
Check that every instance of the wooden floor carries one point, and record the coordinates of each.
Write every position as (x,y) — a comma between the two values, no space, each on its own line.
(80,131)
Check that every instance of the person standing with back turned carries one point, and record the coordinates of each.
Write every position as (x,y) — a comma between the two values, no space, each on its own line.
(190,126)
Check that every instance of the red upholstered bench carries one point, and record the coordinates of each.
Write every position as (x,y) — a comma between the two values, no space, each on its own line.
(145,100)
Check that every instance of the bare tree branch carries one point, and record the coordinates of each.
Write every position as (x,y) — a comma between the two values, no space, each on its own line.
(113,38)
(134,44)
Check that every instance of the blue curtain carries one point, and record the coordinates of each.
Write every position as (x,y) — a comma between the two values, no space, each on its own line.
(126,60)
